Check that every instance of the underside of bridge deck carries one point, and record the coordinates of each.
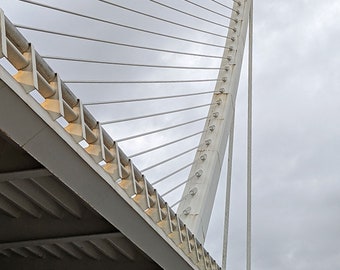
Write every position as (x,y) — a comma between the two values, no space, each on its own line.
(45,225)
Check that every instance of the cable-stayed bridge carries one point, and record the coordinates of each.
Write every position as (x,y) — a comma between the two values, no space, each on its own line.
(72,192)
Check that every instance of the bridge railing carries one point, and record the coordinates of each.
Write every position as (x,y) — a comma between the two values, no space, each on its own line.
(36,76)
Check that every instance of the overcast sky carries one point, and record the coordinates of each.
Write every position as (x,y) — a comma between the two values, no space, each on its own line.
(296,151)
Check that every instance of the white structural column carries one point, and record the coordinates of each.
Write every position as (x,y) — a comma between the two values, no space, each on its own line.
(199,193)
(227,196)
(249,146)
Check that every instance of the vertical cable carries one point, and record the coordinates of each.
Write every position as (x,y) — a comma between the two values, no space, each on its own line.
(228,191)
(249,147)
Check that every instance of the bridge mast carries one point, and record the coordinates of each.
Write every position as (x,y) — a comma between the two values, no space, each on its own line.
(199,193)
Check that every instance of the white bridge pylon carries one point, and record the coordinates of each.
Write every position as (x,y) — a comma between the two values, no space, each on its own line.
(199,194)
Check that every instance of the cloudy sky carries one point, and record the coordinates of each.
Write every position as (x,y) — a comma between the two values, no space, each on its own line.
(296,151)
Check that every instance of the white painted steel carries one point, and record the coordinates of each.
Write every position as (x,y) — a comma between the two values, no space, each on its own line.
(249,146)
(195,210)
(227,196)
(3,46)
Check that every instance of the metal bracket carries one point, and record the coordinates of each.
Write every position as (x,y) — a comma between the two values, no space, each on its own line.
(54,105)
(155,211)
(77,128)
(28,76)
(95,149)
(129,183)
(142,198)
(113,168)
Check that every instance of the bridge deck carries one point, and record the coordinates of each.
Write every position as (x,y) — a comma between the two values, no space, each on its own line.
(59,197)
(57,208)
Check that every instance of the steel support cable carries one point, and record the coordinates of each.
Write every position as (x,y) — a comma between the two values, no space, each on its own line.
(183,198)
(160,130)
(139,82)
(210,10)
(126,64)
(121,25)
(115,43)
(188,14)
(147,99)
(163,20)
(223,5)
(155,114)
(169,159)
(173,205)
(171,174)
(174,188)
(166,144)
